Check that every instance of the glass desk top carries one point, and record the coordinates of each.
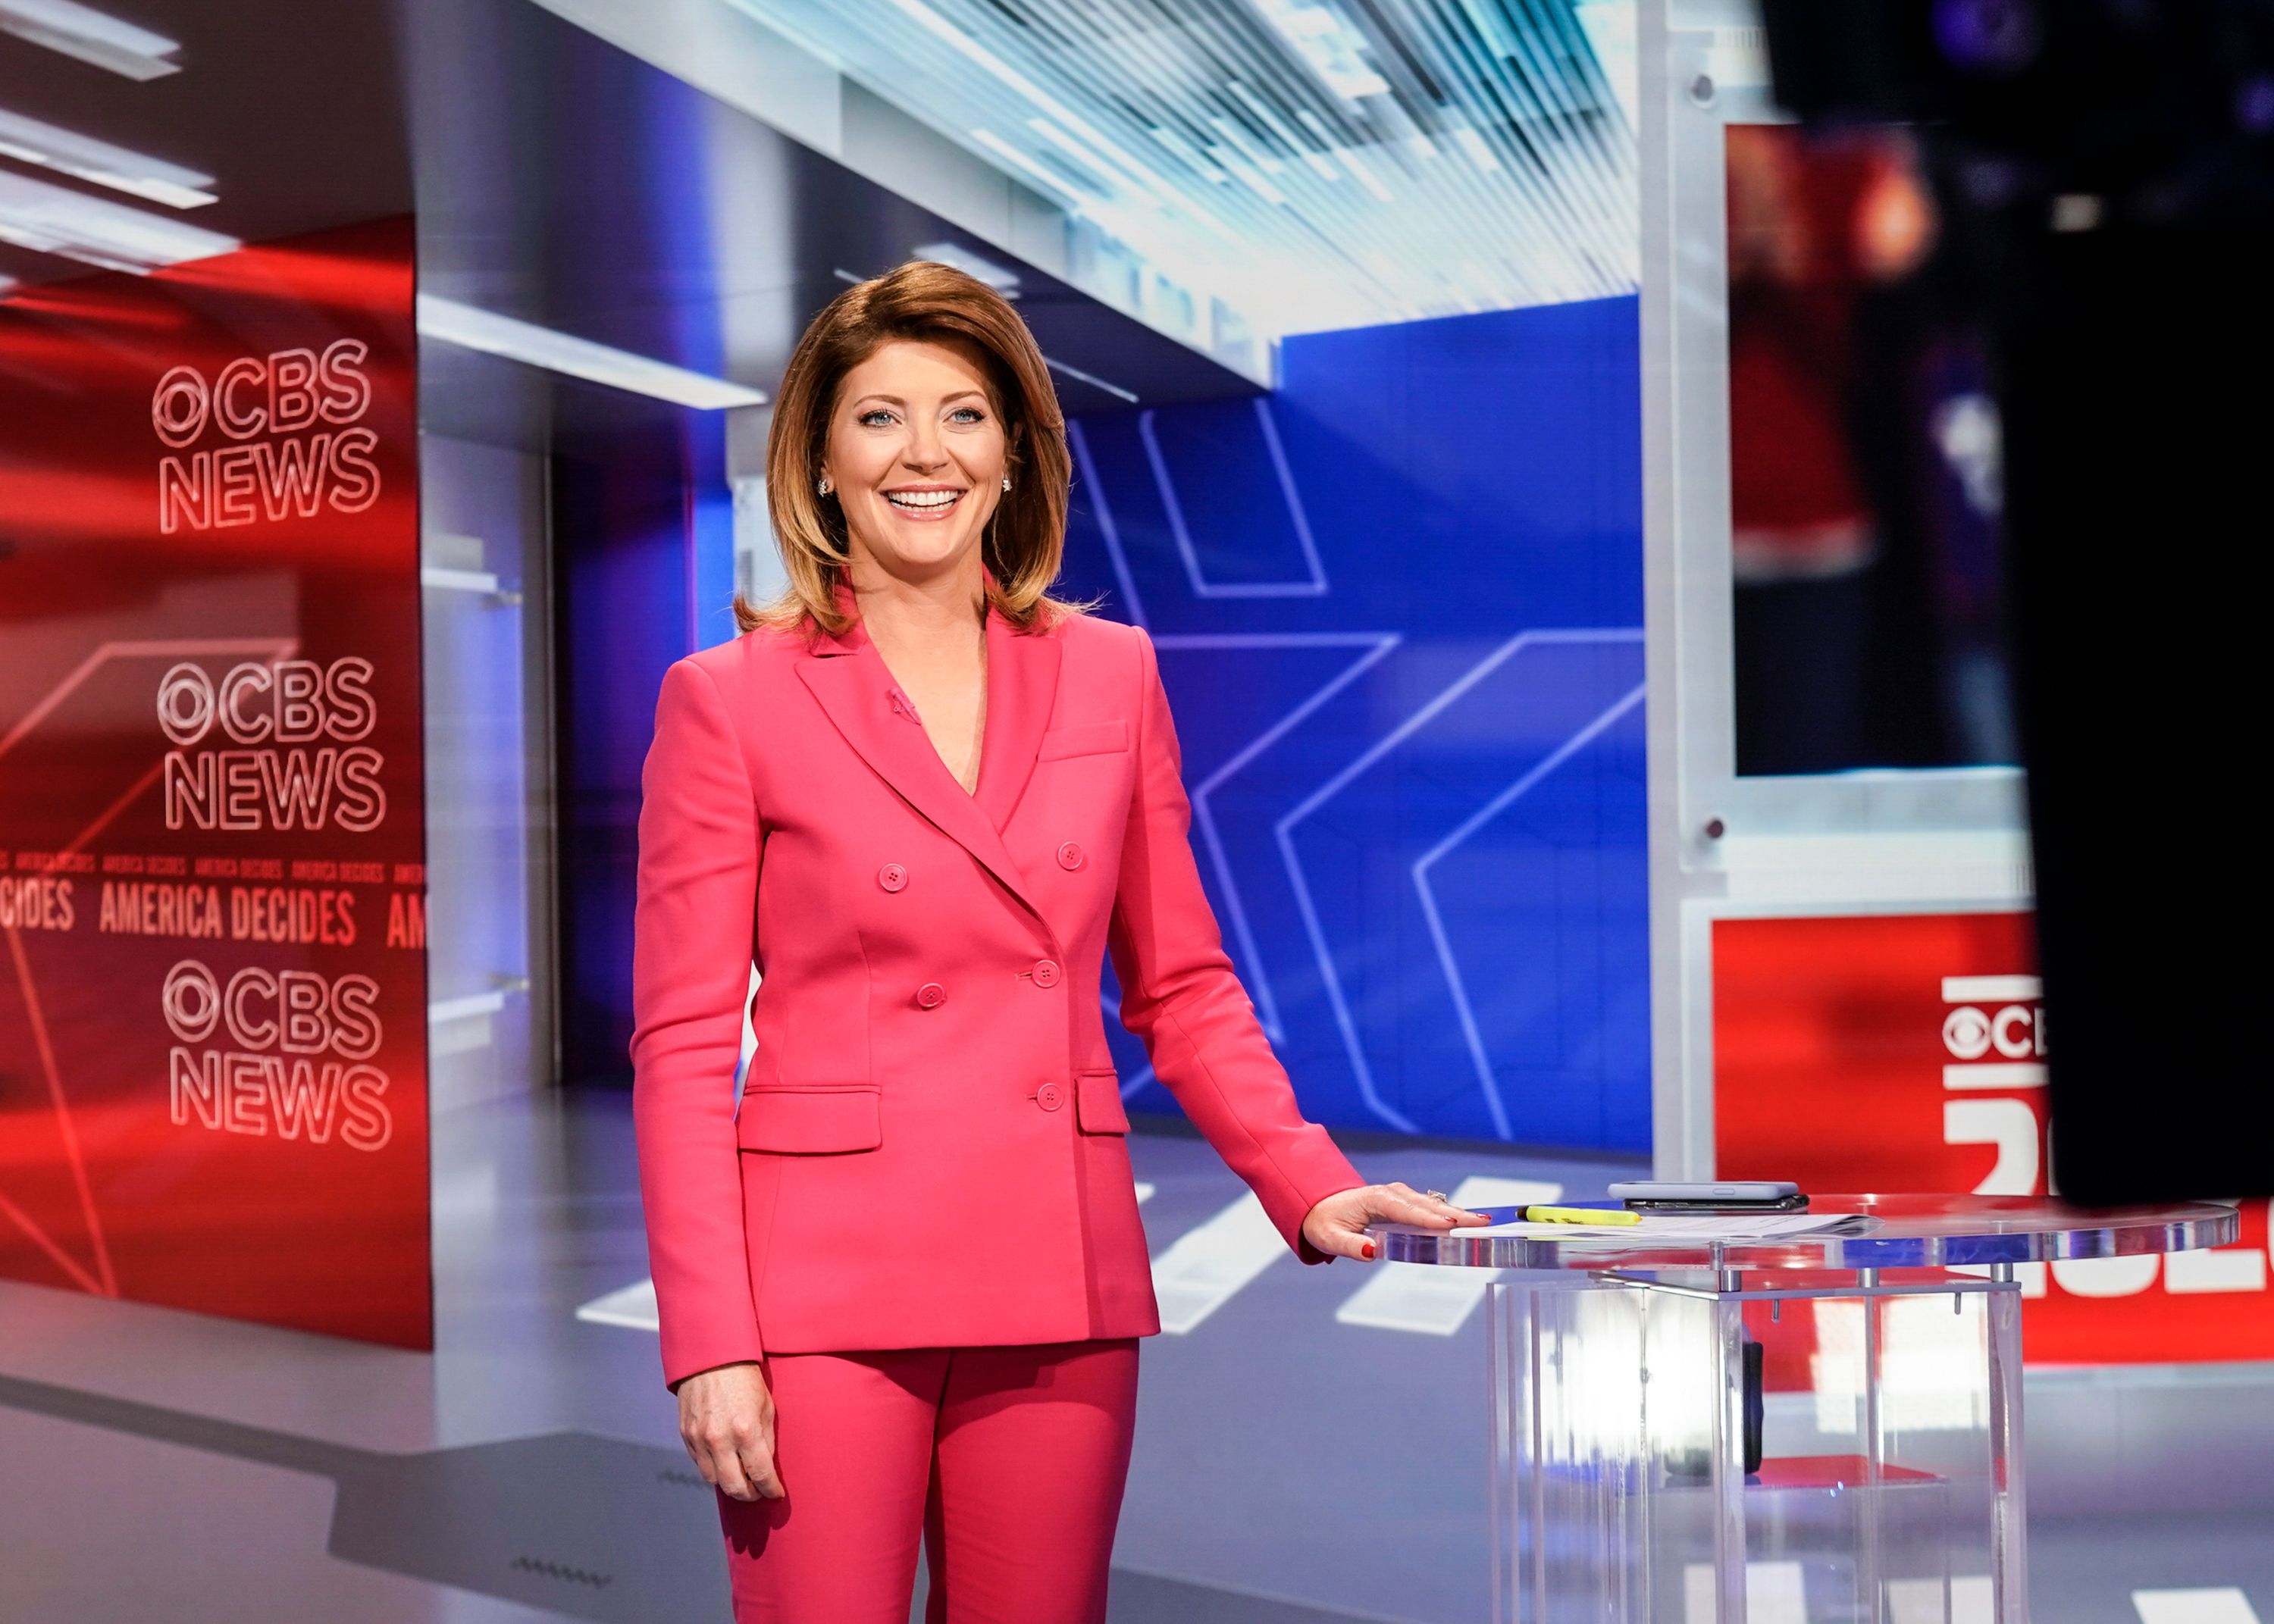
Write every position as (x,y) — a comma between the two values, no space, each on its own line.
(1888,1231)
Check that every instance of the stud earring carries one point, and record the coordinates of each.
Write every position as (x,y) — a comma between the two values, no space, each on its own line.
(1006,482)
(822,489)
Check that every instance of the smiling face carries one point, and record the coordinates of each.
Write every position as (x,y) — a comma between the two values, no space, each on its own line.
(916,454)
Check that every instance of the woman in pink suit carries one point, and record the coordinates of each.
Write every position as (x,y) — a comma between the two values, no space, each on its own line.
(901,1285)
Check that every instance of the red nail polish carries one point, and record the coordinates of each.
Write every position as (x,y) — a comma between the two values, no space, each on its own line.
(1368,1253)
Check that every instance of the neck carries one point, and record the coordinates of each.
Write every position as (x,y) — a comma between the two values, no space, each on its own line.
(938,609)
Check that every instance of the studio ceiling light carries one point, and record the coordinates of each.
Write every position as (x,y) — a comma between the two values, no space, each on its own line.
(1335,50)
(1002,278)
(50,219)
(1320,163)
(448,321)
(69,153)
(91,35)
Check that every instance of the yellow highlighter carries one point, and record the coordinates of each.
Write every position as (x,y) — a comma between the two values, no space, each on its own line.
(1580,1214)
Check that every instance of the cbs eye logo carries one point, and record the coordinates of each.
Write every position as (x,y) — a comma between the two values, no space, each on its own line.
(290,391)
(2017,1031)
(287,449)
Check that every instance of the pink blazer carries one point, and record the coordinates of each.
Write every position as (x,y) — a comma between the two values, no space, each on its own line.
(931,1149)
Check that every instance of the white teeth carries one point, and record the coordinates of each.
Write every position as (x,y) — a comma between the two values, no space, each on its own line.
(926,499)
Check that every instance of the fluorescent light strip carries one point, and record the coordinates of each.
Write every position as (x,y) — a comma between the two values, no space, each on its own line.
(50,219)
(1479,152)
(1192,155)
(1224,115)
(1252,177)
(1516,205)
(117,168)
(1019,160)
(940,29)
(1321,164)
(1090,162)
(448,321)
(1129,396)
(1334,49)
(1002,278)
(91,36)
(1240,142)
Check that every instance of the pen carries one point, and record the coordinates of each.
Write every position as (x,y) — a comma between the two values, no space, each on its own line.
(1580,1214)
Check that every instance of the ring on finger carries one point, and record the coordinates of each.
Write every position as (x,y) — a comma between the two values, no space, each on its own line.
(1437,1195)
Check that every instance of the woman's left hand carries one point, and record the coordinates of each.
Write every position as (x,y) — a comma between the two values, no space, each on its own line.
(1337,1226)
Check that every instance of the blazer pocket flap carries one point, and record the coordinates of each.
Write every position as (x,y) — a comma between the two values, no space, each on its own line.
(809,1121)
(1085,739)
(1097,1103)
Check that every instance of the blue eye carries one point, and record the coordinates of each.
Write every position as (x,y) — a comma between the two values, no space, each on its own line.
(977,414)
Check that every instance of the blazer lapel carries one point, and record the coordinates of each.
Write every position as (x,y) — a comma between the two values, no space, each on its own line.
(1022,684)
(855,689)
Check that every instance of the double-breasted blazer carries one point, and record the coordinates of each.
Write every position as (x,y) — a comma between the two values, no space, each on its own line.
(931,1149)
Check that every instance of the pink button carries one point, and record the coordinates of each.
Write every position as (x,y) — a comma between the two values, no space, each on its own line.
(931,995)
(1046,973)
(1050,1097)
(1069,855)
(892,877)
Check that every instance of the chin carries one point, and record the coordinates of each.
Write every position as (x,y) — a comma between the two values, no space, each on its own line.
(929,549)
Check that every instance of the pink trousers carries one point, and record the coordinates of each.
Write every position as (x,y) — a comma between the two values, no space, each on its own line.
(1009,1461)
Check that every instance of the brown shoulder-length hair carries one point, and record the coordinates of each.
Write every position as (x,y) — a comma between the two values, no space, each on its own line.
(1025,535)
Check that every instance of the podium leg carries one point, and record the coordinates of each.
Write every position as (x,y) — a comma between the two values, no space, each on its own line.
(1889,1481)
(1729,1451)
(2009,1570)
(1871,1597)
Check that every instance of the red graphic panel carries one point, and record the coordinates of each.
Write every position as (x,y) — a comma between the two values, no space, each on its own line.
(1906,1055)
(212,1037)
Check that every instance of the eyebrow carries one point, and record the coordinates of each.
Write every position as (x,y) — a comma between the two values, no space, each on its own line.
(894,400)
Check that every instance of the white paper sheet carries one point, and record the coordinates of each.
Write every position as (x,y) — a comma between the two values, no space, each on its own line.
(1686,1227)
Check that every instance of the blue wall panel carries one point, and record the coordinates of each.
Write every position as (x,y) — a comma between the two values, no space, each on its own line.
(1399,604)
(643,574)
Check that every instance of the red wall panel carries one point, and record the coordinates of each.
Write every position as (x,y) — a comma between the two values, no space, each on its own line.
(213,1037)
(1905,1054)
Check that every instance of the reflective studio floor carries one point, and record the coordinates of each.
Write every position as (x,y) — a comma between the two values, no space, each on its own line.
(1309,1447)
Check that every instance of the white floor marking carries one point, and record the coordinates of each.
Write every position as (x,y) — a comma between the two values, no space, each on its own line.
(1427,1301)
(2222,1604)
(1919,1601)
(1207,1267)
(1144,1192)
(1772,1594)
(633,1308)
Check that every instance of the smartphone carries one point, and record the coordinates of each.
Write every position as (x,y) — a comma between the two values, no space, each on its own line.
(1726,1193)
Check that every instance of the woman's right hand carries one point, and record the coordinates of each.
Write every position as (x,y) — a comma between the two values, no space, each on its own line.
(727,1421)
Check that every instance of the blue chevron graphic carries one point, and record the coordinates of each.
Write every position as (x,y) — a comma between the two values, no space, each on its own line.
(1314,581)
(1397,606)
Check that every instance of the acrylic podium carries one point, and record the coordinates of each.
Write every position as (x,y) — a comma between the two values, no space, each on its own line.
(1884,1482)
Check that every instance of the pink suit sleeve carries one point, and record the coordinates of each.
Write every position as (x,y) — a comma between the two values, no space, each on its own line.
(697,892)
(1181,996)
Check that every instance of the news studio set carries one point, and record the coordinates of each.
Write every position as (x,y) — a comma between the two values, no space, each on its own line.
(1219,811)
